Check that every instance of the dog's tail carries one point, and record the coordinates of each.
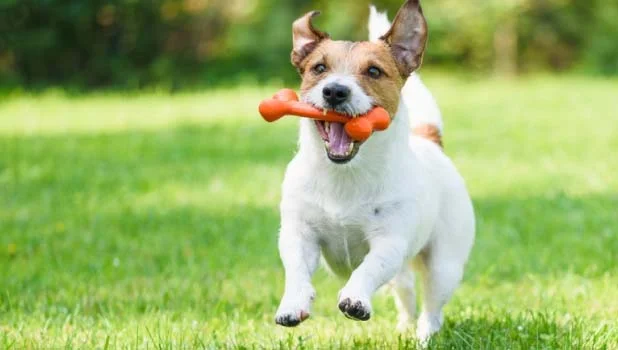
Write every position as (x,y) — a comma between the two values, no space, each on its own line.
(423,111)
(378,23)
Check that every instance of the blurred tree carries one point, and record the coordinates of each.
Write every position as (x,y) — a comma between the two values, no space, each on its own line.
(506,36)
(133,43)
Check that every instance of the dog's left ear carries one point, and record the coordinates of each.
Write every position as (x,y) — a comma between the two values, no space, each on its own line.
(305,38)
(407,37)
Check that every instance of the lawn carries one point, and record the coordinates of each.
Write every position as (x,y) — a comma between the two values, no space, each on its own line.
(150,221)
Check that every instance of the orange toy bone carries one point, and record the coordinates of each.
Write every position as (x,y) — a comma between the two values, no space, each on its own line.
(285,102)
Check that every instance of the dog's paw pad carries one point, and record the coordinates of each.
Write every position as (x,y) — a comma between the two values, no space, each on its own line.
(291,319)
(288,320)
(355,309)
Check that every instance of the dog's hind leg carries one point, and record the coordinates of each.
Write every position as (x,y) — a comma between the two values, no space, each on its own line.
(405,297)
(442,261)
(440,277)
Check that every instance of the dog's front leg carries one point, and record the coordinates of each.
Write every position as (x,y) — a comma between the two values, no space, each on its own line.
(385,258)
(300,253)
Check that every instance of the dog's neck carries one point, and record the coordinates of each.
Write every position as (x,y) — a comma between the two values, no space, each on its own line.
(374,157)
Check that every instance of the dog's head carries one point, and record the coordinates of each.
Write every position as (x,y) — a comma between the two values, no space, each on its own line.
(353,77)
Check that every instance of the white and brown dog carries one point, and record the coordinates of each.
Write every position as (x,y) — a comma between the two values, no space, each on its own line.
(374,209)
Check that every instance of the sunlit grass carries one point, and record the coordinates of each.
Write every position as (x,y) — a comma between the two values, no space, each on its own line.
(151,221)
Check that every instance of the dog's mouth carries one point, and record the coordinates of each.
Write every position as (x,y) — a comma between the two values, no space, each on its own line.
(340,148)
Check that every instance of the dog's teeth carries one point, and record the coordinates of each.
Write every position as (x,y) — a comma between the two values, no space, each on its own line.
(350,147)
(327,126)
(327,145)
(325,111)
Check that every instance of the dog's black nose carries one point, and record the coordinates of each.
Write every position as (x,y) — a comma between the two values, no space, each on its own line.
(335,94)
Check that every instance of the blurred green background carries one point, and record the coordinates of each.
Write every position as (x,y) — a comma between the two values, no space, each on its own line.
(134,217)
(185,43)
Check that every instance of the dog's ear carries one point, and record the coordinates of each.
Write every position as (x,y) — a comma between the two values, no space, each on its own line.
(407,37)
(305,38)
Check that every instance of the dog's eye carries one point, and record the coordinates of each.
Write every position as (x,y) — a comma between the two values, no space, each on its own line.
(319,68)
(374,72)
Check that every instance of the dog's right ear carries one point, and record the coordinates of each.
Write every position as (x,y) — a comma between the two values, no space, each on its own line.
(407,37)
(305,38)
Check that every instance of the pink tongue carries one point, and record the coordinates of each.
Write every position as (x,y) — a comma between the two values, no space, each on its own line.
(338,139)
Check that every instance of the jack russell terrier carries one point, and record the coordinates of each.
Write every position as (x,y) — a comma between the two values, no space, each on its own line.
(375,211)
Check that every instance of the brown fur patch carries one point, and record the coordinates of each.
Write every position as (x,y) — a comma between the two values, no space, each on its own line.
(355,58)
(430,132)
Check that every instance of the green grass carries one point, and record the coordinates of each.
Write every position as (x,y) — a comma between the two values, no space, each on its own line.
(151,221)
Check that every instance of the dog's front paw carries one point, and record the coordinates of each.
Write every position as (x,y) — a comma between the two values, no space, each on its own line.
(295,307)
(356,308)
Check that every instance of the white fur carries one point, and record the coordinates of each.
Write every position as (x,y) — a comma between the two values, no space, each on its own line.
(378,23)
(424,107)
(400,200)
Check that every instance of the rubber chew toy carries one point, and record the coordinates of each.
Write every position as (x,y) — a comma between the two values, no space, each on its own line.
(285,102)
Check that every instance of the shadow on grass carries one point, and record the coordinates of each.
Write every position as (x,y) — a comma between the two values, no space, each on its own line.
(109,164)
(83,242)
(543,234)
(121,264)
(549,234)
(228,144)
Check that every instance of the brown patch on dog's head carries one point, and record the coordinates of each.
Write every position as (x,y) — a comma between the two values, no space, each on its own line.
(353,77)
(380,68)
(371,64)
(386,87)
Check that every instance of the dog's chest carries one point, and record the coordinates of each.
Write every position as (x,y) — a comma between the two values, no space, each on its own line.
(345,209)
(343,240)
(344,229)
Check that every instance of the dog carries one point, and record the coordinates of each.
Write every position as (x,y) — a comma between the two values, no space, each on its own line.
(381,210)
